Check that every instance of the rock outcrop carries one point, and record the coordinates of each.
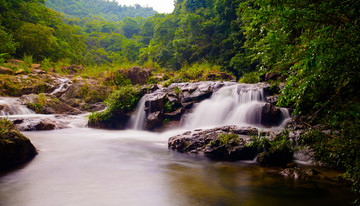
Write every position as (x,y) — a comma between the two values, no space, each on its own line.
(170,103)
(47,104)
(15,148)
(222,143)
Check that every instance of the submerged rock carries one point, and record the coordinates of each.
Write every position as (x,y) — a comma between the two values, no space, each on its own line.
(15,148)
(300,173)
(46,124)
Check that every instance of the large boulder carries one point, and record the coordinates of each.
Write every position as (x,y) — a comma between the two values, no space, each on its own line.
(46,124)
(15,148)
(223,143)
(137,75)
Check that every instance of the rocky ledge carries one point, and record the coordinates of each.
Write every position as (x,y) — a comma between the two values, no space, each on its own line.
(232,143)
(15,148)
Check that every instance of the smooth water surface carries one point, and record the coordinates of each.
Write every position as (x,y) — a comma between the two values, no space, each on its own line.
(83,166)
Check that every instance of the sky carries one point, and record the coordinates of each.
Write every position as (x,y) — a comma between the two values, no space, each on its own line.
(161,6)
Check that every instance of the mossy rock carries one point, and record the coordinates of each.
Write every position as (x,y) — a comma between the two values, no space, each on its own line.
(15,148)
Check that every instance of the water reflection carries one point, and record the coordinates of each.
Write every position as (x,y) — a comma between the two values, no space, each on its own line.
(99,167)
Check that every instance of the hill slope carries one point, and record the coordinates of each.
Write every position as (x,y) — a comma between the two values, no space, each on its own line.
(110,10)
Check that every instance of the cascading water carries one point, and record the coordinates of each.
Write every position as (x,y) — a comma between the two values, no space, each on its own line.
(12,106)
(63,85)
(239,104)
(137,120)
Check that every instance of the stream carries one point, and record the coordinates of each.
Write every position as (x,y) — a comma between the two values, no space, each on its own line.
(84,166)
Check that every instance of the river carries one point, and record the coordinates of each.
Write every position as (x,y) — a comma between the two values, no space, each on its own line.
(81,166)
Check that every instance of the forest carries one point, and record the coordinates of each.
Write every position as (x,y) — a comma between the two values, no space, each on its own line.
(310,47)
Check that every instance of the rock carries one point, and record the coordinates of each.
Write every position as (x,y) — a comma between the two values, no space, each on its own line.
(38,71)
(83,94)
(15,61)
(272,99)
(46,124)
(270,115)
(271,76)
(47,104)
(4,70)
(175,115)
(155,102)
(15,149)
(154,120)
(212,144)
(2,107)
(136,74)
(280,157)
(35,66)
(20,71)
(300,173)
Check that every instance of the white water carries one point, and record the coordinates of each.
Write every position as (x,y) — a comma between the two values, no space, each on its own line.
(13,106)
(232,105)
(137,120)
(64,82)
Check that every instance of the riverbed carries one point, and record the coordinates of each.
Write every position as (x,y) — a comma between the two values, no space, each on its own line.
(84,166)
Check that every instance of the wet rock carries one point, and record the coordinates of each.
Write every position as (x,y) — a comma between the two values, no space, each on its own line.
(279,157)
(270,115)
(4,70)
(46,124)
(155,102)
(300,173)
(212,144)
(154,120)
(175,115)
(272,99)
(15,149)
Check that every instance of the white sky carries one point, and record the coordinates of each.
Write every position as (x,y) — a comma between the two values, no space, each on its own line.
(161,6)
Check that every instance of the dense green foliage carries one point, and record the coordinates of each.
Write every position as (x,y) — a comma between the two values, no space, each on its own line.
(315,44)
(119,104)
(110,10)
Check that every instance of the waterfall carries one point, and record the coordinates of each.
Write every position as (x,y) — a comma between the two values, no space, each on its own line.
(137,120)
(63,85)
(12,106)
(232,105)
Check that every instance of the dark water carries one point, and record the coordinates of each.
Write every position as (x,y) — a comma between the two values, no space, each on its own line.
(98,167)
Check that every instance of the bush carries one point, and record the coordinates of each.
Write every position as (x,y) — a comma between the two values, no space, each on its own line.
(119,104)
(252,77)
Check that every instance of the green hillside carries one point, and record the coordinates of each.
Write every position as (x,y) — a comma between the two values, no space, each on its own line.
(110,10)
